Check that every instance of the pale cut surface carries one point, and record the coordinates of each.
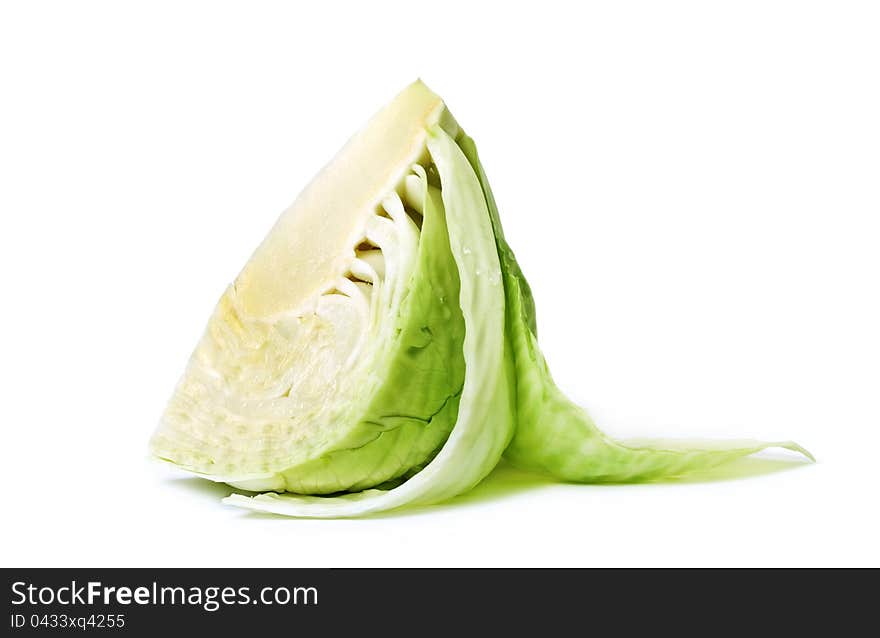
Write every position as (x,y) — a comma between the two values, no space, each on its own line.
(312,243)
(295,346)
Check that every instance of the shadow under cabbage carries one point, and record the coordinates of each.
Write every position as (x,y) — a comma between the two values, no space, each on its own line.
(506,481)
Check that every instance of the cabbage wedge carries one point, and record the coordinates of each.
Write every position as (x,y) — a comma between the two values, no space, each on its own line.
(379,349)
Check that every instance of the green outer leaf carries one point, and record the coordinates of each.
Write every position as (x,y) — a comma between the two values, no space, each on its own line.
(555,436)
(415,408)
(485,415)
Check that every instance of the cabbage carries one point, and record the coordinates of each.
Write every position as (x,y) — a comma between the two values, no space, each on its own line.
(379,349)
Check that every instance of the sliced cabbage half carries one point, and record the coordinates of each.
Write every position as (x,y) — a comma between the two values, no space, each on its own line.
(379,348)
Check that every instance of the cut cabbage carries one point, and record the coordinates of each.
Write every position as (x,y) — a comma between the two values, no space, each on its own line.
(379,348)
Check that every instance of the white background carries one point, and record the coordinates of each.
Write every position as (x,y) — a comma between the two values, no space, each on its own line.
(691,188)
